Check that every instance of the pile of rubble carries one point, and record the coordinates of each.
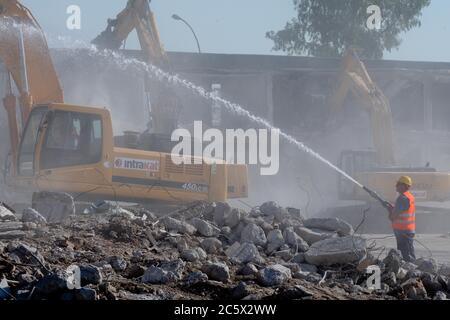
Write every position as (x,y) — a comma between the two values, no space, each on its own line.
(201,251)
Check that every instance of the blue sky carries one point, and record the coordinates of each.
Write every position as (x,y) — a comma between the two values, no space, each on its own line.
(232,26)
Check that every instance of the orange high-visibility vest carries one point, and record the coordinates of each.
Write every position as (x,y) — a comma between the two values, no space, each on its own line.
(406,220)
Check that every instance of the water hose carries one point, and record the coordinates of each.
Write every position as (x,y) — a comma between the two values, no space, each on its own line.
(377,197)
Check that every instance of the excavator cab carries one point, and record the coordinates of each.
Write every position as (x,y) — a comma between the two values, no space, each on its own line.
(61,138)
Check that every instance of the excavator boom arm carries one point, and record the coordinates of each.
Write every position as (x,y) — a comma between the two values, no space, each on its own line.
(41,81)
(136,16)
(355,78)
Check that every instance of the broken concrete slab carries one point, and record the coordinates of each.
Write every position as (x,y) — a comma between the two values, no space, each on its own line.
(194,278)
(31,215)
(247,270)
(331,224)
(221,210)
(90,274)
(6,213)
(244,253)
(233,218)
(332,251)
(217,271)
(294,240)
(314,235)
(427,265)
(119,264)
(56,207)
(274,275)
(174,266)
(271,208)
(253,234)
(10,226)
(393,261)
(23,253)
(205,228)
(274,240)
(157,275)
(12,235)
(12,230)
(175,225)
(52,283)
(211,245)
(193,255)
(444,270)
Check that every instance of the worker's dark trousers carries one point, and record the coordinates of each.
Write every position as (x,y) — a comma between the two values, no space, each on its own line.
(405,244)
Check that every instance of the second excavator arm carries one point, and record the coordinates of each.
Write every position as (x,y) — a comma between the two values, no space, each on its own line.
(136,16)
(355,78)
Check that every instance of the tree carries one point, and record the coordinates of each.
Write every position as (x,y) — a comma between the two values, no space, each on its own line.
(326,28)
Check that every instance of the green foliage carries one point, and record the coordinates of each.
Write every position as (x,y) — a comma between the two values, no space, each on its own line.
(325,28)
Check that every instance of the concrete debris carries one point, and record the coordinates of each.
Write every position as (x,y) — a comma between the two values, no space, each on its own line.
(414,289)
(240,291)
(85,294)
(193,255)
(23,253)
(331,224)
(217,271)
(294,240)
(55,207)
(234,217)
(118,263)
(53,283)
(271,208)
(204,228)
(31,215)
(304,267)
(195,277)
(393,261)
(211,245)
(175,266)
(440,296)
(12,235)
(336,251)
(220,213)
(432,284)
(299,258)
(247,270)
(275,240)
(312,236)
(274,275)
(6,213)
(210,251)
(175,225)
(90,274)
(244,253)
(427,265)
(253,234)
(444,270)
(157,275)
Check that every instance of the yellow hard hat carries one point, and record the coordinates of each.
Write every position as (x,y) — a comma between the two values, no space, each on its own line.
(405,180)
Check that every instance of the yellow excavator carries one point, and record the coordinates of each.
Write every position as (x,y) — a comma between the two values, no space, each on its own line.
(377,169)
(70,148)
